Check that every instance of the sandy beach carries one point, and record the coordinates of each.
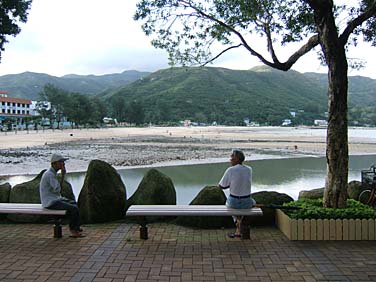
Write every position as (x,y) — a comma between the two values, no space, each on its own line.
(29,152)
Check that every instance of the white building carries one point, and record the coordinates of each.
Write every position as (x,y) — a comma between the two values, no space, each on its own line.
(286,122)
(37,106)
(320,122)
(14,107)
(17,109)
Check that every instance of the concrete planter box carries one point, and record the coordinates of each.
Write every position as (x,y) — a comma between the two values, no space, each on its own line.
(326,229)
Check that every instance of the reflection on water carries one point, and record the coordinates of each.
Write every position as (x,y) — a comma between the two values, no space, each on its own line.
(282,175)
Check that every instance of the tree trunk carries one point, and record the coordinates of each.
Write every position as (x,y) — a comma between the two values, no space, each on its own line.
(335,194)
(337,158)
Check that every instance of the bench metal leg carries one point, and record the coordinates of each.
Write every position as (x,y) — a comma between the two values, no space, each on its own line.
(245,229)
(58,231)
(143,229)
(144,232)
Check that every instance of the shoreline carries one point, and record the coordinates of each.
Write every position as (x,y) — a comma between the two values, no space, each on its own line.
(186,162)
(28,153)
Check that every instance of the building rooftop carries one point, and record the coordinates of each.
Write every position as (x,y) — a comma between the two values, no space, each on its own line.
(14,100)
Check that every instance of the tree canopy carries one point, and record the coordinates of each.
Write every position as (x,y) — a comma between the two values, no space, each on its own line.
(12,13)
(77,108)
(190,30)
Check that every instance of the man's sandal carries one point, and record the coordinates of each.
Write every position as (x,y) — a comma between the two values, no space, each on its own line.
(79,235)
(233,235)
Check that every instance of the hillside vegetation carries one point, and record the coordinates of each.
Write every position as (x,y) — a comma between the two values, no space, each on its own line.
(226,96)
(28,85)
(202,94)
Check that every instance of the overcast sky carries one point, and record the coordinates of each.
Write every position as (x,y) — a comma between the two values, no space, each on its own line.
(100,37)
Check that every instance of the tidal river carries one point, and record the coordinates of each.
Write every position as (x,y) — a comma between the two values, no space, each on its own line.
(287,175)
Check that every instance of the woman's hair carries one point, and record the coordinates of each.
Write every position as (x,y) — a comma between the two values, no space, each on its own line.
(239,154)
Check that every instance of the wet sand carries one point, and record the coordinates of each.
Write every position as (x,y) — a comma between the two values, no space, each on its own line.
(29,152)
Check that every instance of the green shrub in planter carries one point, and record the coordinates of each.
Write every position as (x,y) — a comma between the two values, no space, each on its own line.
(313,209)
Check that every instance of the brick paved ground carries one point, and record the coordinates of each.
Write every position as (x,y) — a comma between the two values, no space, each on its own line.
(114,252)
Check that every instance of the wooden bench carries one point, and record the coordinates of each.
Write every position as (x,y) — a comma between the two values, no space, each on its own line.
(190,210)
(35,209)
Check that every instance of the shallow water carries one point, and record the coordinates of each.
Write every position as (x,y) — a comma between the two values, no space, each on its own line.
(288,175)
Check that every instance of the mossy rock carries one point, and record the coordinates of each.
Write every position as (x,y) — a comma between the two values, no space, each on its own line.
(155,188)
(354,188)
(267,198)
(4,195)
(5,192)
(28,192)
(209,195)
(103,195)
(312,194)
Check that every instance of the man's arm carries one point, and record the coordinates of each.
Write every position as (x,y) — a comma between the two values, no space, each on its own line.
(63,172)
(226,180)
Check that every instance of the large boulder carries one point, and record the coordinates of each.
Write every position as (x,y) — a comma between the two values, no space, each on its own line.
(4,195)
(155,188)
(268,198)
(209,195)
(354,188)
(28,192)
(5,192)
(312,194)
(103,195)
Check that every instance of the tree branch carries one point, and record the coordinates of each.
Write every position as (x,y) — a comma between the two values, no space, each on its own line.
(233,30)
(371,12)
(270,43)
(312,42)
(221,53)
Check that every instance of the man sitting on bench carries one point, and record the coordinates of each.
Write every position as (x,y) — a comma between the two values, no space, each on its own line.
(238,178)
(50,196)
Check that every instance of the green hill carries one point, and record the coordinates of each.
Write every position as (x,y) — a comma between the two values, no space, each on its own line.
(223,95)
(362,90)
(207,94)
(28,85)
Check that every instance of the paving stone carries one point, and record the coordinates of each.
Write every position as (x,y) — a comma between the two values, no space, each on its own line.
(113,253)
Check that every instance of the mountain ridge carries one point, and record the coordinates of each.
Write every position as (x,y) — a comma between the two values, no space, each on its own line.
(207,94)
(228,96)
(28,85)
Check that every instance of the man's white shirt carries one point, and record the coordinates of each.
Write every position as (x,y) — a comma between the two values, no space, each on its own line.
(238,178)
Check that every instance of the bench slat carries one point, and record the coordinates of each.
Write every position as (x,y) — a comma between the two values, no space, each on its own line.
(20,208)
(190,210)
